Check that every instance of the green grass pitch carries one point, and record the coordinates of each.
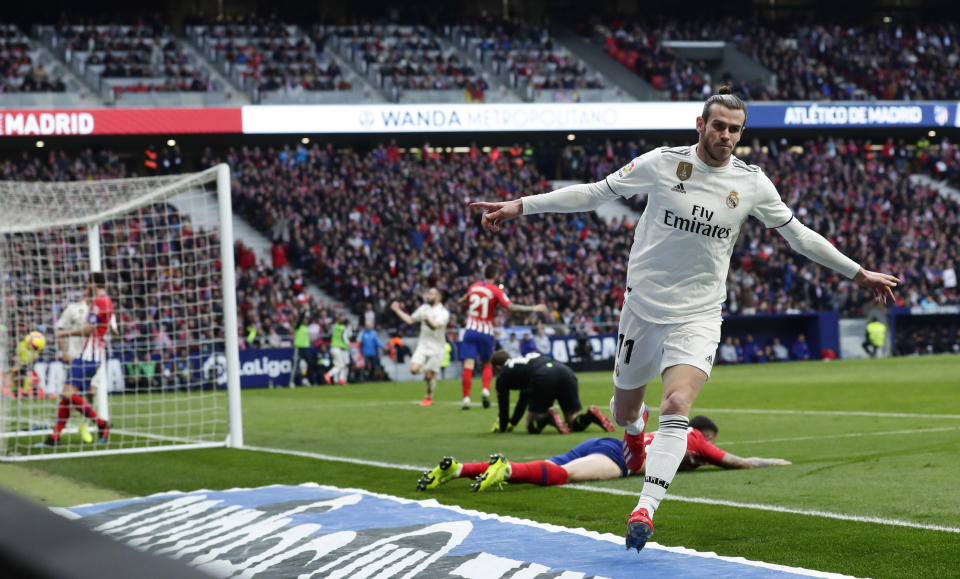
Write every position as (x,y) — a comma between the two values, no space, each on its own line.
(870,438)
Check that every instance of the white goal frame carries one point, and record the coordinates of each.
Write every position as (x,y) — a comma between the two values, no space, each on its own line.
(16,219)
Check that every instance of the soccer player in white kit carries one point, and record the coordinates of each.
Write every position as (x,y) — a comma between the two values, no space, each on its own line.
(433,318)
(697,198)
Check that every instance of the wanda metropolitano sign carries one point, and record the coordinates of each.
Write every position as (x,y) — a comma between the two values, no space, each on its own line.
(462,118)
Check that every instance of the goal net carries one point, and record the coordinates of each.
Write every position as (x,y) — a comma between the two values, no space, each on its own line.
(170,378)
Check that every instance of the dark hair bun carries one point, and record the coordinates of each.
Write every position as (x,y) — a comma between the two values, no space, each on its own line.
(724,90)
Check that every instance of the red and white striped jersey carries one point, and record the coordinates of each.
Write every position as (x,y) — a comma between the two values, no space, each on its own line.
(482,300)
(95,348)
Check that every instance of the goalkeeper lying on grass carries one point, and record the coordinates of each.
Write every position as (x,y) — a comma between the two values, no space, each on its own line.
(593,459)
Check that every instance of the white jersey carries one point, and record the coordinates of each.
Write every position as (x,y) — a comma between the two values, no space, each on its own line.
(684,239)
(74,317)
(432,339)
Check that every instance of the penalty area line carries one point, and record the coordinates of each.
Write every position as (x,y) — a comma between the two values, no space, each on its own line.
(596,489)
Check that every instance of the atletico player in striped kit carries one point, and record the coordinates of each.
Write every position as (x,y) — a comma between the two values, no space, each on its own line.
(482,299)
(85,366)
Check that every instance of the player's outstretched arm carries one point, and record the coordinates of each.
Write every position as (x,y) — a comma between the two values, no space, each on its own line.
(813,245)
(496,213)
(881,284)
(570,199)
(734,461)
(539,308)
(407,319)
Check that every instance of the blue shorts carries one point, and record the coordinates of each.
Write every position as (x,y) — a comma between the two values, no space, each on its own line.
(81,371)
(607,446)
(476,346)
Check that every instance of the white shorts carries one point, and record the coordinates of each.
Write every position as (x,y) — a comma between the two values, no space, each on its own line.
(646,349)
(427,358)
(341,357)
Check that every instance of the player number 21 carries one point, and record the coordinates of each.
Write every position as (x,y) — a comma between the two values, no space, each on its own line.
(479,303)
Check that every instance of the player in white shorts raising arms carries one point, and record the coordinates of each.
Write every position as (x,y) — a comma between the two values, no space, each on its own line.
(698,196)
(433,318)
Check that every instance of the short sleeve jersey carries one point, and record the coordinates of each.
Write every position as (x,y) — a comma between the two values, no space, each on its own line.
(685,237)
(699,450)
(95,347)
(482,300)
(432,339)
(72,318)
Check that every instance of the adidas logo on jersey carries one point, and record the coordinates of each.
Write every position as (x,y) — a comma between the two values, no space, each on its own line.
(678,188)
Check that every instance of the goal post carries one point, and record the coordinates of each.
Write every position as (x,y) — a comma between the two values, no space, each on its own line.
(171,378)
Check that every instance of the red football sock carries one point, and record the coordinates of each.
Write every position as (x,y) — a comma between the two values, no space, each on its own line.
(487,376)
(83,407)
(63,413)
(538,472)
(467,379)
(473,469)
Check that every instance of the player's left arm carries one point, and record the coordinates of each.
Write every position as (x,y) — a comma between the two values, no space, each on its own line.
(773,212)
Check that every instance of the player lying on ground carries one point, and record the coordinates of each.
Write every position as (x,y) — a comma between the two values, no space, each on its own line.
(541,380)
(593,459)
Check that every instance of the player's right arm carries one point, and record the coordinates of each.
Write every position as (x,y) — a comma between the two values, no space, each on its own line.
(407,318)
(637,176)
(733,461)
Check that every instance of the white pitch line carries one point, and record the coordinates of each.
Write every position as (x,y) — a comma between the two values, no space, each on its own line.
(596,489)
(778,509)
(826,413)
(848,435)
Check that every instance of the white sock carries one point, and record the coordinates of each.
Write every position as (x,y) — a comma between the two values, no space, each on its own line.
(636,427)
(431,386)
(663,459)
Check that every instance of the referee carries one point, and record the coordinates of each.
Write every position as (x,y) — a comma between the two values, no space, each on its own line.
(540,381)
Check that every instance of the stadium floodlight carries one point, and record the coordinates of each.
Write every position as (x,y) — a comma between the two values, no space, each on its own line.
(165,247)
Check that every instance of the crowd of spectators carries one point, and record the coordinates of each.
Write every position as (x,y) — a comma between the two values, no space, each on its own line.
(409,57)
(18,71)
(526,52)
(145,50)
(385,225)
(733,350)
(637,45)
(892,60)
(271,55)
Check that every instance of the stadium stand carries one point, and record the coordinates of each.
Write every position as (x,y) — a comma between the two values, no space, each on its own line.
(402,58)
(406,210)
(20,69)
(279,62)
(525,54)
(133,64)
(811,61)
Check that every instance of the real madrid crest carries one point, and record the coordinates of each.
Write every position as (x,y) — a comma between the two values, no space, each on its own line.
(733,200)
(684,170)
